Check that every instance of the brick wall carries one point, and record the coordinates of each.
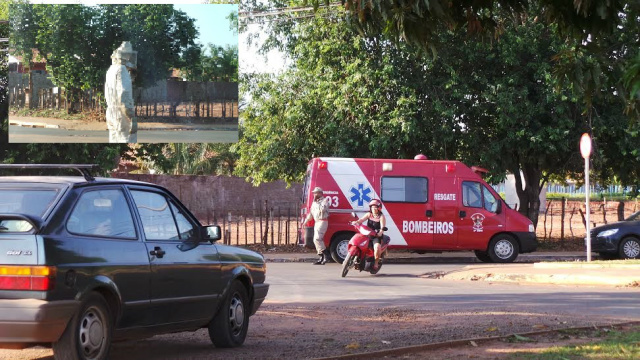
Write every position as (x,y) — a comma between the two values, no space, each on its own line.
(204,195)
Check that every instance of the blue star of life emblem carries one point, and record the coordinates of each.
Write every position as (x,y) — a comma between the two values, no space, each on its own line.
(360,194)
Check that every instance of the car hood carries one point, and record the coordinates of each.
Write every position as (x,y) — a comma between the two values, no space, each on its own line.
(617,225)
(233,253)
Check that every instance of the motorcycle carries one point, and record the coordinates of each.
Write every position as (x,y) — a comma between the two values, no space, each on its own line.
(360,254)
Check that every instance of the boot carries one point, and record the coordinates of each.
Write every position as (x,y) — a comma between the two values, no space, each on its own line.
(321,260)
(327,256)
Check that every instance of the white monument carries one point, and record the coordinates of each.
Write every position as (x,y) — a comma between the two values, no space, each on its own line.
(118,92)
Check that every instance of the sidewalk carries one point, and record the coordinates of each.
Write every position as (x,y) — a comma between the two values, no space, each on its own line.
(54,123)
(560,268)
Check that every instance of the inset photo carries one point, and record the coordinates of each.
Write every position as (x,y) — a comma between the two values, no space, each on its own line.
(97,72)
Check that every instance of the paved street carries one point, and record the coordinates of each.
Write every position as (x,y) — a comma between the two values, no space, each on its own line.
(307,302)
(18,134)
(410,286)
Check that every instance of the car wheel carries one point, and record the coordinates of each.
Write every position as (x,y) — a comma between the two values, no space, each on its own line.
(230,325)
(607,256)
(630,248)
(88,334)
(340,247)
(483,256)
(503,249)
(346,264)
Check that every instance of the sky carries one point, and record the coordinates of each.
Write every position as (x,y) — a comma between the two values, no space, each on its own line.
(213,27)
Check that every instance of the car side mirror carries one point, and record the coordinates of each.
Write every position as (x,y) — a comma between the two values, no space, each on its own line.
(211,233)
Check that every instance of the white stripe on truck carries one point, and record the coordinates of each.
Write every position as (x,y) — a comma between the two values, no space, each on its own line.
(347,173)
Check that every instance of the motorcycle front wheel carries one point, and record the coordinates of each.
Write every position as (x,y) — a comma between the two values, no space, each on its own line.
(346,264)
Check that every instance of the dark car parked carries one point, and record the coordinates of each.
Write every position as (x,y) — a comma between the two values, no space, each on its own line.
(86,261)
(618,240)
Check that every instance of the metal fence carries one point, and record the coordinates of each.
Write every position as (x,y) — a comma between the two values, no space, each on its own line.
(276,226)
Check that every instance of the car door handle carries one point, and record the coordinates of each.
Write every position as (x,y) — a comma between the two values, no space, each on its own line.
(463,213)
(429,213)
(157,251)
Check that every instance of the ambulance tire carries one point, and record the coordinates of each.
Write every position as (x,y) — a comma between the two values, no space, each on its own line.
(483,256)
(340,244)
(503,249)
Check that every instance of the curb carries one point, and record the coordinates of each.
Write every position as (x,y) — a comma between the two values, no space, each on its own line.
(440,260)
(34,125)
(455,343)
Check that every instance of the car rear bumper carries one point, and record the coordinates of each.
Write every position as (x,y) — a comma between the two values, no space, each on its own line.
(24,321)
(527,240)
(259,294)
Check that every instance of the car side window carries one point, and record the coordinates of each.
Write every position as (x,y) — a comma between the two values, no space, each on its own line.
(102,213)
(155,212)
(490,202)
(404,189)
(471,194)
(185,227)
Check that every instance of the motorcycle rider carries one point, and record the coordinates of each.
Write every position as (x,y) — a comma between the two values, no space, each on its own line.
(376,221)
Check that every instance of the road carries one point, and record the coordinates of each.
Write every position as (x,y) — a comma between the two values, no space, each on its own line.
(19,134)
(312,312)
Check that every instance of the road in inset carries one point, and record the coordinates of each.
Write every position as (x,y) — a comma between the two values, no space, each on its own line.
(19,134)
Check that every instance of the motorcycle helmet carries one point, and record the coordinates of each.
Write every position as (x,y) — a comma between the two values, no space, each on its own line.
(375,202)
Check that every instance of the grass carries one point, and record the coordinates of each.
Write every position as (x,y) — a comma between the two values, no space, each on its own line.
(52,113)
(613,345)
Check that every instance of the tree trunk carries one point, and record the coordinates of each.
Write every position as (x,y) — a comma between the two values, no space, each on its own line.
(529,196)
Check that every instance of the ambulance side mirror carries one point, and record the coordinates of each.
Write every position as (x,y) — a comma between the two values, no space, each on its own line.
(499,209)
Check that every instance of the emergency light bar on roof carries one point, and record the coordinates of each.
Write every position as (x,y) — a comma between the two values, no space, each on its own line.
(84,169)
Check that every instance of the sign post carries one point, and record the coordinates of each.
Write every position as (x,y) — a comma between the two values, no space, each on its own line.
(585,150)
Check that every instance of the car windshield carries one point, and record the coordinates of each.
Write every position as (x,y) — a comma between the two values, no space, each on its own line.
(633,217)
(32,202)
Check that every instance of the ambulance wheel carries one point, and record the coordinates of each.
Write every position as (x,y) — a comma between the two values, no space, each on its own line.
(340,247)
(503,249)
(483,256)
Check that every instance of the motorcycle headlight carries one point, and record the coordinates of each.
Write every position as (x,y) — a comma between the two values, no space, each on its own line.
(532,228)
(608,232)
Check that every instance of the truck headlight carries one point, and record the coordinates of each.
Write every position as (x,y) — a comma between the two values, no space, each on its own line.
(531,228)
(608,232)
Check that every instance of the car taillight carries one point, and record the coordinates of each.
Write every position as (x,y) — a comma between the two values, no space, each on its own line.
(39,278)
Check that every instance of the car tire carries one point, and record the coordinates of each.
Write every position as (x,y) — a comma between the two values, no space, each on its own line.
(503,249)
(630,248)
(607,256)
(483,256)
(340,246)
(230,325)
(89,332)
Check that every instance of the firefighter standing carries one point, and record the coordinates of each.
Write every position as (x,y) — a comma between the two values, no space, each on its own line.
(320,214)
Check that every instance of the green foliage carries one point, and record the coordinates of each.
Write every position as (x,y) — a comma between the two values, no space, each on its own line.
(77,41)
(489,104)
(220,65)
(187,159)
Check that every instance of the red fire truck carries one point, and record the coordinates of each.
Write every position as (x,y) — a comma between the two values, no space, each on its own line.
(430,206)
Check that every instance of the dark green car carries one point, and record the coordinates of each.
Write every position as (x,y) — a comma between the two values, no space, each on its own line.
(86,261)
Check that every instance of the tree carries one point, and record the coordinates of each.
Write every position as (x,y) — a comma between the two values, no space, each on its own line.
(188,159)
(77,41)
(488,104)
(220,65)
(590,23)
